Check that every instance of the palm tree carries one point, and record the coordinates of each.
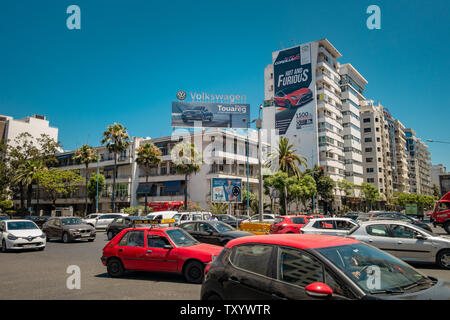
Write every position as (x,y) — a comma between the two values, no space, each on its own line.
(26,174)
(186,160)
(288,160)
(117,140)
(148,155)
(86,155)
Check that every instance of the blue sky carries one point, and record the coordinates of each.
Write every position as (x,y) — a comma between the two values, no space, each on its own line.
(131,57)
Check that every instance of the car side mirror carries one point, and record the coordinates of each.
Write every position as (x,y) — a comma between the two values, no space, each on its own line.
(168,246)
(318,290)
(421,237)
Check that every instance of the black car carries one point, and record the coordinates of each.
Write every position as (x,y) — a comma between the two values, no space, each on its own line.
(121,223)
(301,267)
(197,113)
(212,232)
(352,215)
(226,218)
(394,216)
(39,220)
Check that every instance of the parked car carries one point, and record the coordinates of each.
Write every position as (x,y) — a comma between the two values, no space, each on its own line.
(353,215)
(228,219)
(293,99)
(21,234)
(191,216)
(102,221)
(158,249)
(39,220)
(405,241)
(395,216)
(298,266)
(91,219)
(329,226)
(289,224)
(242,217)
(196,113)
(267,218)
(212,232)
(121,223)
(68,229)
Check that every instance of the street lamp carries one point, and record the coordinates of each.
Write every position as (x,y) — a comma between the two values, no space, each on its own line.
(259,126)
(437,141)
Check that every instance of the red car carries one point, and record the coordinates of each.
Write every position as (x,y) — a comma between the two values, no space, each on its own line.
(289,224)
(293,99)
(167,249)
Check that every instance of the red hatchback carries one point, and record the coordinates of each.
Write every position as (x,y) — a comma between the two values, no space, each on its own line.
(289,224)
(158,249)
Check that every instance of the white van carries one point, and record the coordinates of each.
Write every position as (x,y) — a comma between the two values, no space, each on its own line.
(192,216)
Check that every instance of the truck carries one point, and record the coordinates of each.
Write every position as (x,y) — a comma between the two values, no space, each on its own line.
(441,213)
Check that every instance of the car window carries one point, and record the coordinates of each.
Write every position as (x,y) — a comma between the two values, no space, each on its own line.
(298,220)
(266,216)
(206,216)
(254,258)
(119,220)
(335,285)
(185,217)
(399,231)
(343,225)
(197,217)
(188,226)
(133,239)
(156,241)
(278,220)
(71,221)
(378,230)
(205,227)
(298,267)
(323,225)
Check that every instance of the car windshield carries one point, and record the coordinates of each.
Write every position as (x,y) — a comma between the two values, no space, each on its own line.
(71,221)
(373,270)
(181,238)
(177,217)
(221,227)
(21,225)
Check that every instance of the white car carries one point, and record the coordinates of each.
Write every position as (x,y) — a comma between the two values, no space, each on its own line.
(91,218)
(21,234)
(192,216)
(103,221)
(329,226)
(267,218)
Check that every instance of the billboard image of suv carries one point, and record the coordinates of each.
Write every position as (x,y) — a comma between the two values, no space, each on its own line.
(196,113)
(294,99)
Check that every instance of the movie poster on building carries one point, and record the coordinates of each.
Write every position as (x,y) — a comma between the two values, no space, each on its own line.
(226,190)
(211,115)
(293,88)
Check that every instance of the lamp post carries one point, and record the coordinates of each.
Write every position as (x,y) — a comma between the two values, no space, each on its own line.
(437,141)
(259,126)
(248,189)
(96,198)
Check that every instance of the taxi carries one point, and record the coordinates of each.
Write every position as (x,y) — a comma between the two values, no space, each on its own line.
(151,247)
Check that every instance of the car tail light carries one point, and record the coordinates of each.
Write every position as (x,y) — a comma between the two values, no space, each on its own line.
(208,266)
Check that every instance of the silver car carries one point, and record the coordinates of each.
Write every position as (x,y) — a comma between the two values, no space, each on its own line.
(329,226)
(405,241)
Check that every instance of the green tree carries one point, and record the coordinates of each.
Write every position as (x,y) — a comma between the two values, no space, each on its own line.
(251,198)
(85,155)
(59,183)
(26,174)
(48,147)
(436,192)
(92,186)
(370,193)
(288,160)
(346,187)
(117,140)
(148,155)
(6,205)
(218,208)
(186,160)
(303,189)
(280,181)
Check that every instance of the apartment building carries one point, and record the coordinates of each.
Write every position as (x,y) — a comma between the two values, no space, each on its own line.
(352,85)
(35,125)
(398,153)
(224,154)
(376,148)
(436,171)
(419,164)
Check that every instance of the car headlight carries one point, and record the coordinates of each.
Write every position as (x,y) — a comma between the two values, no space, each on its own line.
(42,236)
(12,237)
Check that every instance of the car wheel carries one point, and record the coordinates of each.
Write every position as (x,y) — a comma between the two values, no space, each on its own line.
(110,235)
(447,227)
(4,248)
(443,259)
(193,272)
(115,268)
(65,237)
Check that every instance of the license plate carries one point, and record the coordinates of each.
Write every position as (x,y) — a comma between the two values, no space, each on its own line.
(28,246)
(85,234)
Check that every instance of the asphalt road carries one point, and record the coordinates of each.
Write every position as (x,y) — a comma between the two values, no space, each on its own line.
(43,275)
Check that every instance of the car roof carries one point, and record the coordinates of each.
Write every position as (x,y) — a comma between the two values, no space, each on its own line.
(19,220)
(300,241)
(385,221)
(295,216)
(335,218)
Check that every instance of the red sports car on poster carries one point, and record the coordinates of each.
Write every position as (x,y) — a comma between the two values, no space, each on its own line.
(293,99)
(289,224)
(167,249)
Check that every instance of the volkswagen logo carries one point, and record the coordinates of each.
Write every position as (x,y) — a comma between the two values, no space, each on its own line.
(181,95)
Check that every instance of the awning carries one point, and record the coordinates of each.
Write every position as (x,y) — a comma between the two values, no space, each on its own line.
(144,188)
(172,186)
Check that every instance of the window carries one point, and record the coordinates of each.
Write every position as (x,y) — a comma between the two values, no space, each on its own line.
(368,150)
(343,225)
(369,159)
(323,225)
(188,227)
(298,220)
(298,268)
(367,130)
(133,239)
(378,230)
(204,227)
(156,241)
(367,139)
(254,258)
(369,170)
(399,231)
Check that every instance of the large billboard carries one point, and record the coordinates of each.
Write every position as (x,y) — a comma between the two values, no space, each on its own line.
(212,115)
(226,190)
(295,98)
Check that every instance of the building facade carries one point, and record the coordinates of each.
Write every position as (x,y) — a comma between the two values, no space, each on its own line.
(436,171)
